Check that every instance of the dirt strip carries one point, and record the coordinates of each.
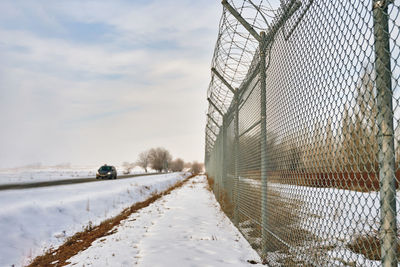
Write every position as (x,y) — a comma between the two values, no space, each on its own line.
(82,240)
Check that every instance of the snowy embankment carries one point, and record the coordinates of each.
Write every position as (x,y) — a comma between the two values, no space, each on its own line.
(33,220)
(184,228)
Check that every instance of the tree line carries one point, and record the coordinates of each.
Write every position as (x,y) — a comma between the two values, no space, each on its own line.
(161,160)
(347,142)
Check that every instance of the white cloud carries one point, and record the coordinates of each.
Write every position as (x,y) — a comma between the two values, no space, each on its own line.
(84,102)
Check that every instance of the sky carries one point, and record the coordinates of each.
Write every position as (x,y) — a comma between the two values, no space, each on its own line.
(97,81)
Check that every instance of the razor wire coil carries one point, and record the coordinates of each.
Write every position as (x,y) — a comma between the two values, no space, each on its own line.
(325,191)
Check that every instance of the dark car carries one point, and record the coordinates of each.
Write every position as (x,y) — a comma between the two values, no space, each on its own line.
(108,172)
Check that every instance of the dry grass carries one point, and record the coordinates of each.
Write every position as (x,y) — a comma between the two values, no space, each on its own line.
(82,240)
(285,217)
(223,197)
(226,203)
(369,246)
(284,220)
(210,183)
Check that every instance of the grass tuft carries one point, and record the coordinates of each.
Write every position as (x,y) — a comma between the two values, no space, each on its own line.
(369,245)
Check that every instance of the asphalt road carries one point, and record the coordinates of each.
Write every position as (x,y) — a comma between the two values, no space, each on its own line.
(66,181)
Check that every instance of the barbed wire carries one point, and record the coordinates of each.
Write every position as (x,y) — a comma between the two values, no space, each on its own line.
(234,54)
(304,151)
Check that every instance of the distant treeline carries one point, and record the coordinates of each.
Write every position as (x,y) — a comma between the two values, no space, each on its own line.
(160,159)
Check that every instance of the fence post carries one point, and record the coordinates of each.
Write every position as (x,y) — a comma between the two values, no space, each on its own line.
(264,216)
(224,144)
(219,169)
(387,175)
(236,184)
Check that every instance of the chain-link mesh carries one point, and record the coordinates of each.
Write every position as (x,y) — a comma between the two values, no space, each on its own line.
(309,173)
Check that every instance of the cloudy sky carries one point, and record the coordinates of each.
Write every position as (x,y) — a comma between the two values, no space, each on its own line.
(93,82)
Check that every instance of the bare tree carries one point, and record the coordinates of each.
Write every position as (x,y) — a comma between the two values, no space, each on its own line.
(177,165)
(160,158)
(187,165)
(196,167)
(359,128)
(144,160)
(128,166)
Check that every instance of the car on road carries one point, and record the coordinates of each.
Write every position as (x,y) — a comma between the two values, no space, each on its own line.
(106,172)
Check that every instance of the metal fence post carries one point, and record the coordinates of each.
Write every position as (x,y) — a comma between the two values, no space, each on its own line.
(219,169)
(224,145)
(263,144)
(236,184)
(385,135)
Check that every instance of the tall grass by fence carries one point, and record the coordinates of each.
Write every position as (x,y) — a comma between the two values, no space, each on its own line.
(302,134)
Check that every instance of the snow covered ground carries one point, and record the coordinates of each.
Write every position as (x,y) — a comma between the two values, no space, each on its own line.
(333,216)
(32,220)
(336,217)
(41,174)
(24,175)
(184,228)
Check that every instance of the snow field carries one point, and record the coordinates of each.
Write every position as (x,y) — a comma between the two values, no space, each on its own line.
(33,220)
(334,217)
(184,228)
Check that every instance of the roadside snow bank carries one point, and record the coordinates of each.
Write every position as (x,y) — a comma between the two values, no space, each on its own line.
(33,220)
(183,228)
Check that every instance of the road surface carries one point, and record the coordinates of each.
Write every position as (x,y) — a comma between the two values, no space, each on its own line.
(65,182)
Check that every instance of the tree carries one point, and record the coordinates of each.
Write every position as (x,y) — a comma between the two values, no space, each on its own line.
(187,165)
(144,160)
(128,166)
(177,165)
(360,144)
(273,148)
(366,126)
(347,143)
(329,145)
(160,159)
(317,157)
(196,167)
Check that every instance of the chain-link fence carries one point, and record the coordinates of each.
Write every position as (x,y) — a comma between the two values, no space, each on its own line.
(302,135)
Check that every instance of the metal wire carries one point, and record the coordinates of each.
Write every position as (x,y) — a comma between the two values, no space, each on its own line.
(329,194)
